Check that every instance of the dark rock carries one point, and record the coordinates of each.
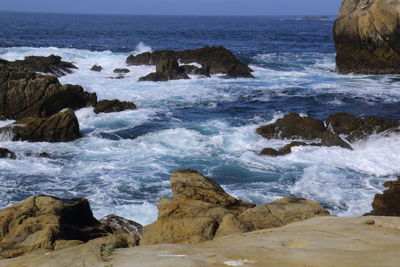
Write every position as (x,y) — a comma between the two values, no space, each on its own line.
(96,68)
(51,64)
(108,106)
(141,59)
(367,38)
(7,154)
(120,224)
(269,152)
(331,139)
(27,94)
(167,68)
(287,149)
(388,203)
(121,71)
(190,69)
(61,127)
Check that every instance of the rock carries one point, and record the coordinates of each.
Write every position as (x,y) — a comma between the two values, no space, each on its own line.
(108,106)
(332,139)
(27,94)
(388,203)
(367,38)
(51,64)
(269,152)
(167,68)
(121,71)
(7,154)
(117,223)
(96,68)
(287,149)
(37,223)
(61,127)
(214,60)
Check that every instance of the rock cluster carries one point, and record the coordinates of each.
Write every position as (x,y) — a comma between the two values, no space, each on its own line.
(367,37)
(294,126)
(213,60)
(388,203)
(201,210)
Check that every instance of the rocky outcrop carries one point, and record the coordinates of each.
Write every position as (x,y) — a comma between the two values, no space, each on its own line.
(27,94)
(388,203)
(96,68)
(51,65)
(121,71)
(7,154)
(167,68)
(108,106)
(128,230)
(329,132)
(367,38)
(40,223)
(201,210)
(61,127)
(213,60)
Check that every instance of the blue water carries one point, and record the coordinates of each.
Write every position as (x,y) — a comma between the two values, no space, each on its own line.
(123,163)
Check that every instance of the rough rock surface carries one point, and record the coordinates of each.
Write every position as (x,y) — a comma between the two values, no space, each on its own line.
(214,60)
(167,68)
(61,127)
(7,154)
(367,37)
(51,64)
(117,223)
(38,222)
(27,94)
(108,106)
(388,203)
(201,210)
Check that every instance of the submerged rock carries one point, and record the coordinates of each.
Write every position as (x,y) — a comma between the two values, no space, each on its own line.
(388,203)
(108,106)
(96,68)
(27,94)
(121,71)
(7,154)
(367,38)
(61,127)
(39,223)
(51,64)
(201,210)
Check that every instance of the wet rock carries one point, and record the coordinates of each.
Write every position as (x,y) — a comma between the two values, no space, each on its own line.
(108,106)
(190,69)
(332,139)
(7,154)
(122,71)
(27,94)
(141,59)
(287,149)
(61,127)
(38,223)
(96,68)
(367,38)
(167,68)
(388,203)
(51,65)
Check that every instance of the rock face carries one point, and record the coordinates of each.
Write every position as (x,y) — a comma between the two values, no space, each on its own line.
(388,203)
(213,60)
(367,38)
(61,127)
(108,106)
(7,154)
(51,64)
(201,210)
(293,126)
(38,223)
(27,94)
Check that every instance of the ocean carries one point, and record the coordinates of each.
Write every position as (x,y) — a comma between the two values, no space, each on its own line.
(124,160)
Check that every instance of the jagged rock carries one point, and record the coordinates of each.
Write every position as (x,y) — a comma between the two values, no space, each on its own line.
(7,154)
(38,223)
(121,71)
(51,64)
(287,149)
(332,139)
(61,127)
(167,68)
(190,69)
(388,203)
(367,38)
(27,94)
(201,210)
(108,106)
(214,60)
(96,68)
(117,223)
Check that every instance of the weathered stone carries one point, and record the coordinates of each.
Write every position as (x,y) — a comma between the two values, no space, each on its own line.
(108,106)
(120,224)
(388,203)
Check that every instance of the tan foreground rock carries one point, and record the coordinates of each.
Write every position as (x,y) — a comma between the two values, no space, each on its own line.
(323,241)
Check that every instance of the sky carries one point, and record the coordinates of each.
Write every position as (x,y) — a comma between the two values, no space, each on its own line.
(177,7)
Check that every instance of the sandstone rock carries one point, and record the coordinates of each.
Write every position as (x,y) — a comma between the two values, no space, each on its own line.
(96,68)
(367,38)
(37,223)
(27,94)
(61,127)
(51,64)
(7,154)
(388,203)
(108,106)
(124,70)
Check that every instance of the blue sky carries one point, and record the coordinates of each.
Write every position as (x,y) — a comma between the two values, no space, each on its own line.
(178,7)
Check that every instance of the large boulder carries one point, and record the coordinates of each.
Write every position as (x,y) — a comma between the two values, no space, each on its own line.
(27,94)
(367,38)
(51,64)
(201,210)
(388,203)
(108,106)
(61,127)
(213,60)
(40,223)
